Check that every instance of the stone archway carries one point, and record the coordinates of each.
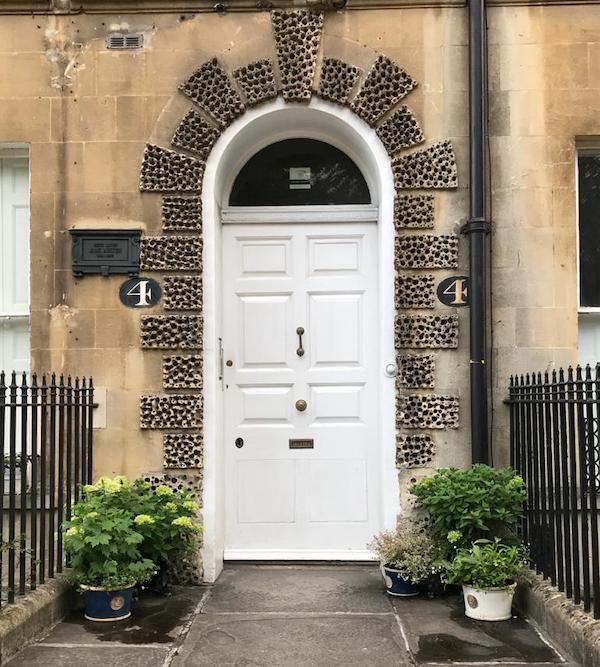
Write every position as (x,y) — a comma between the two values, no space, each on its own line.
(219,98)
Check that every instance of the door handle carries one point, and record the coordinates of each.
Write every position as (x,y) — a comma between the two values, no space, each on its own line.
(301,405)
(300,350)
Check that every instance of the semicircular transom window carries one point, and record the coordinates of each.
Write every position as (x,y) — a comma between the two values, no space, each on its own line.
(299,172)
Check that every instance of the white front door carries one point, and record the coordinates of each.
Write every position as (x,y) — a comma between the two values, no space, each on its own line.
(14,264)
(301,483)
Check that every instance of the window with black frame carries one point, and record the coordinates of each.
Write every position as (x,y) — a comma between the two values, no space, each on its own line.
(588,176)
(299,172)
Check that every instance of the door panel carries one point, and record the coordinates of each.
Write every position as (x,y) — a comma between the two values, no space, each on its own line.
(321,494)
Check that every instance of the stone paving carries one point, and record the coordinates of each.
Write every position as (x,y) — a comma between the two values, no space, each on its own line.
(292,616)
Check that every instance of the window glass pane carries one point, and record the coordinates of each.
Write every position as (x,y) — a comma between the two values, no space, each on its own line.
(298,172)
(589,229)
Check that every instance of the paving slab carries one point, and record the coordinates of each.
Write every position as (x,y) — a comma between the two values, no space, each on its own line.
(155,619)
(316,641)
(438,631)
(264,588)
(89,656)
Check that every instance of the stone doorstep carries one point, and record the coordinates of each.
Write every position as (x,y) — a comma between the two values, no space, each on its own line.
(32,615)
(574,630)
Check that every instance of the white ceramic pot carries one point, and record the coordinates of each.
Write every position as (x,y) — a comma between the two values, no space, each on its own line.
(489,604)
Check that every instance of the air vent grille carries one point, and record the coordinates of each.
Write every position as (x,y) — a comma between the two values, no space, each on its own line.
(125,40)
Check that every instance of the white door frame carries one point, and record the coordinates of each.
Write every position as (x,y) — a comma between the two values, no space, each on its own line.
(256,129)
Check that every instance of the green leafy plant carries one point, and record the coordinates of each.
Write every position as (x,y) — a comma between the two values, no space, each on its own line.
(477,503)
(488,564)
(119,530)
(412,552)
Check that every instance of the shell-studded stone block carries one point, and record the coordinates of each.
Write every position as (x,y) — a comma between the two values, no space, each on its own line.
(187,571)
(190,482)
(182,214)
(169,332)
(415,372)
(177,411)
(182,293)
(414,451)
(385,84)
(164,170)
(257,82)
(413,211)
(400,130)
(182,450)
(210,88)
(426,251)
(426,331)
(297,37)
(433,411)
(433,167)
(337,80)
(196,134)
(415,291)
(182,371)
(171,253)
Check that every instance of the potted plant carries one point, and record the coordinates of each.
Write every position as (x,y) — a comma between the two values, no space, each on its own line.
(408,558)
(488,571)
(109,541)
(479,502)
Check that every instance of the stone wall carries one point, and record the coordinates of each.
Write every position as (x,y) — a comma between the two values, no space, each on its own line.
(89,114)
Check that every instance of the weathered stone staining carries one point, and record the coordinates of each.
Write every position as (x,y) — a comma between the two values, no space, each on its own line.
(385,85)
(414,451)
(433,411)
(171,253)
(433,167)
(176,411)
(257,82)
(164,170)
(182,214)
(196,134)
(210,88)
(337,80)
(426,331)
(415,371)
(426,251)
(169,332)
(413,212)
(297,36)
(182,450)
(182,371)
(182,293)
(400,130)
(415,291)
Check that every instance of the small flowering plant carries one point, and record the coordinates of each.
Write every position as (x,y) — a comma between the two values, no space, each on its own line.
(411,551)
(120,531)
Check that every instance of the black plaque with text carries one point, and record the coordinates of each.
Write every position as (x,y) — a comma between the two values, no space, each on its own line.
(105,251)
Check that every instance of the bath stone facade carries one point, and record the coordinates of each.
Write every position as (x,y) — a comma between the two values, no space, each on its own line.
(297,36)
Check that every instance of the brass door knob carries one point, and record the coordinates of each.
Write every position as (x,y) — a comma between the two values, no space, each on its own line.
(301,405)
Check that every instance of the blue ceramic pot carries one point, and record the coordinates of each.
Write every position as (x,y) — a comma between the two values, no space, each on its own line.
(398,586)
(103,605)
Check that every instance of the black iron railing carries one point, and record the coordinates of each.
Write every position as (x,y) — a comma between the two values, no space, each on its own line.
(554,445)
(46,431)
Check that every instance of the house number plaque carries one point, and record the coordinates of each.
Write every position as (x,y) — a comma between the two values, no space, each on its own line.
(302,444)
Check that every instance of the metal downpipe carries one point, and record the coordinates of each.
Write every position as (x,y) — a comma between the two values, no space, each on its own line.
(477,228)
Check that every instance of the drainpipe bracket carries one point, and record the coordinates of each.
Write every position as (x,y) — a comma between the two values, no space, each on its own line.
(476,225)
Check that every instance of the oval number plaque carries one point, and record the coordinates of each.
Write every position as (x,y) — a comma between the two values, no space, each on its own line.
(454,291)
(140,293)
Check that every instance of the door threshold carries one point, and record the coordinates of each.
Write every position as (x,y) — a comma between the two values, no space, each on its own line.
(299,555)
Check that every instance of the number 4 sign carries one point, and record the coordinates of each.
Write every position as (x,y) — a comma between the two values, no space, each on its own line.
(454,291)
(140,293)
